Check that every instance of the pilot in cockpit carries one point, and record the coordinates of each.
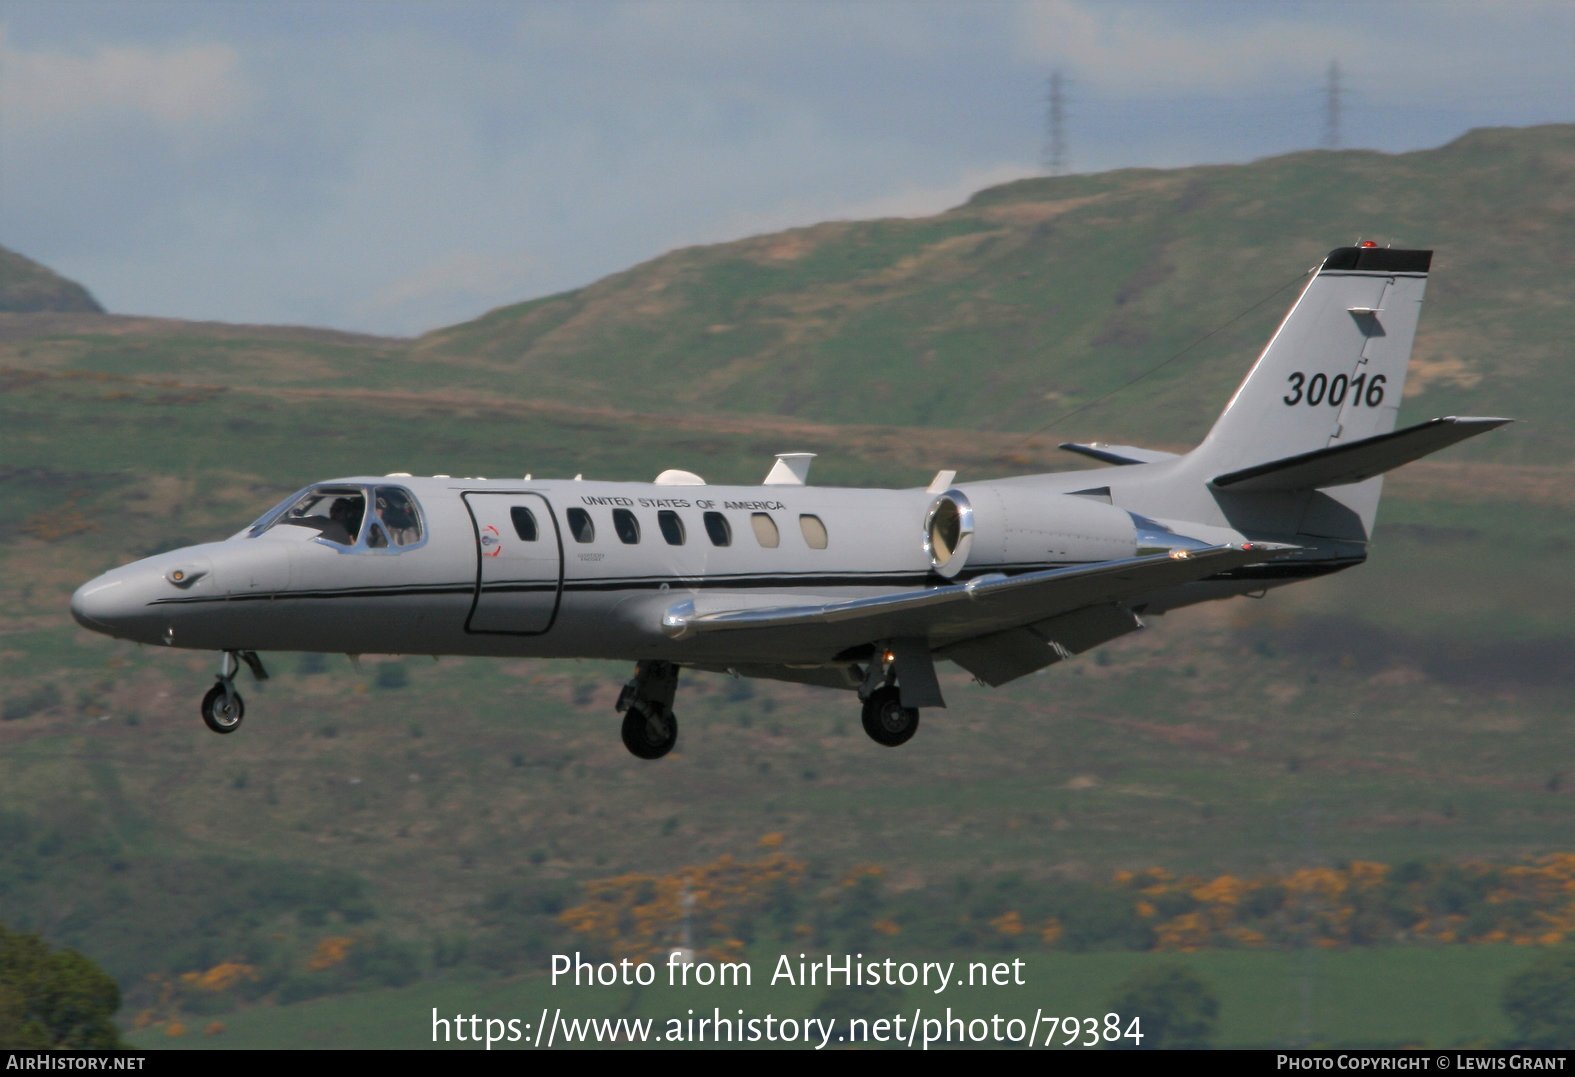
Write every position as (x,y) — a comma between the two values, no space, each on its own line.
(344,521)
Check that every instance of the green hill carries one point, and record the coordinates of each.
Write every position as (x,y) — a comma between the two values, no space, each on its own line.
(1038,296)
(26,286)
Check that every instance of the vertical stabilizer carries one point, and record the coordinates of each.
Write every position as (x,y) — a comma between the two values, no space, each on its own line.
(1334,370)
(1333,373)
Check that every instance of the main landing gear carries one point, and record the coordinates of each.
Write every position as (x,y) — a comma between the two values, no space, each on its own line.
(222,707)
(650,729)
(886,720)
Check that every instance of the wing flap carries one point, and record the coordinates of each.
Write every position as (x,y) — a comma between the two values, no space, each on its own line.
(1006,656)
(1339,465)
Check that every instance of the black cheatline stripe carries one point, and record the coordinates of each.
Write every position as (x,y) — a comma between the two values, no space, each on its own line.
(746,584)
(790,578)
(342,592)
(729,577)
(890,578)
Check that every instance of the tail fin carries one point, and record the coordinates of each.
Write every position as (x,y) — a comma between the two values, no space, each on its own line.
(1331,375)
(1334,370)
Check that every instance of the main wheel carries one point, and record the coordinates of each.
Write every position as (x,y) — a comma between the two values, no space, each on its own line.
(886,720)
(649,733)
(222,714)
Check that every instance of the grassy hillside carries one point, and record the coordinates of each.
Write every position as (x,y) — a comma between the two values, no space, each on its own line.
(1038,296)
(27,286)
(441,815)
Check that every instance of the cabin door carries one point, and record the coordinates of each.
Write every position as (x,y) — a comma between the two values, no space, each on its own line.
(519,563)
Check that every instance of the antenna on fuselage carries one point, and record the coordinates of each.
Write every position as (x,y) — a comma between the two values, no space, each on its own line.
(791,469)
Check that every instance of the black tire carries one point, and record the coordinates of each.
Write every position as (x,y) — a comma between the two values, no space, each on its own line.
(217,715)
(649,734)
(886,720)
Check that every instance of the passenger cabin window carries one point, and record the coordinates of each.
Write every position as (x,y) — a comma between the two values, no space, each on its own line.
(580,526)
(716,526)
(814,531)
(524,523)
(627,526)
(766,532)
(672,527)
(338,515)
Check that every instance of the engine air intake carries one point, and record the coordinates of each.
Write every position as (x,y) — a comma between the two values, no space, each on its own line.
(948,532)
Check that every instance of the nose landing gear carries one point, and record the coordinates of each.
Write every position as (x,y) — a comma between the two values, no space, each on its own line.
(222,707)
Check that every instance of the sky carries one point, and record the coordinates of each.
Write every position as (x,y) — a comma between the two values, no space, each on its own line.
(392,167)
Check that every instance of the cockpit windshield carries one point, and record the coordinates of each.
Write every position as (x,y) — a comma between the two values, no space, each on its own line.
(339,514)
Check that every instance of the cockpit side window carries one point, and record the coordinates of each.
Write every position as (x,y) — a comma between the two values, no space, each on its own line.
(334,512)
(339,516)
(396,511)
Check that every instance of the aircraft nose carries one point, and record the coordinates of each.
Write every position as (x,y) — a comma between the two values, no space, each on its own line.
(95,604)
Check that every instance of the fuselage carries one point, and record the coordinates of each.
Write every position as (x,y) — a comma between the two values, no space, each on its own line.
(577,569)
(550,568)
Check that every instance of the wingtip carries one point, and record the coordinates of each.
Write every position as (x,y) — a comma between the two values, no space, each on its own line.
(1272,548)
(1485,420)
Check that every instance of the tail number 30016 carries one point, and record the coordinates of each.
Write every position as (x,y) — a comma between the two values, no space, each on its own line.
(1322,389)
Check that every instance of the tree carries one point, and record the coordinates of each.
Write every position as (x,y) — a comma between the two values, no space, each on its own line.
(1540,1002)
(1176,1007)
(53,999)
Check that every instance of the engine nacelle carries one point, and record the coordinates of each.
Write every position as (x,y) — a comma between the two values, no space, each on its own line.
(1004,529)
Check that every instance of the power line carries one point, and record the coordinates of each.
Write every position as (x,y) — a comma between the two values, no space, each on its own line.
(1056,158)
(1332,102)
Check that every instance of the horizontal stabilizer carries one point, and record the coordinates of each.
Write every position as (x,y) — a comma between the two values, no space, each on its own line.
(1118,454)
(1339,465)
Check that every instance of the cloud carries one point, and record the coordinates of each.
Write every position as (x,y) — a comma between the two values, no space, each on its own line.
(397,167)
(178,86)
(1144,50)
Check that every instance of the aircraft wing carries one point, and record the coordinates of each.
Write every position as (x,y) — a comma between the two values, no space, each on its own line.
(959,612)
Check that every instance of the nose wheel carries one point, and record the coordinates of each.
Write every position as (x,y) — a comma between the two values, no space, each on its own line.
(222,707)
